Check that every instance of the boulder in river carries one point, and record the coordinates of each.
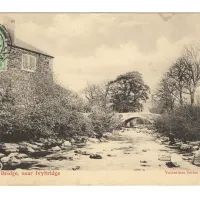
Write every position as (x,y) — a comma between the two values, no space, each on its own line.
(164,158)
(72,141)
(93,140)
(11,161)
(95,156)
(17,155)
(9,148)
(188,154)
(179,144)
(81,152)
(108,135)
(14,161)
(187,158)
(80,145)
(57,148)
(38,144)
(66,145)
(21,155)
(12,154)
(30,150)
(196,158)
(103,139)
(172,164)
(26,149)
(164,139)
(32,146)
(27,162)
(43,163)
(196,143)
(76,168)
(5,159)
(195,148)
(57,156)
(111,155)
(145,165)
(185,147)
(143,161)
(2,155)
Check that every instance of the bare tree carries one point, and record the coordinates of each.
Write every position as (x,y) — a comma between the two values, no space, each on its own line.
(166,95)
(191,58)
(177,76)
(97,94)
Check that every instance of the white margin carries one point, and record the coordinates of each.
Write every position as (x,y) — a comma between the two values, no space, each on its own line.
(100,6)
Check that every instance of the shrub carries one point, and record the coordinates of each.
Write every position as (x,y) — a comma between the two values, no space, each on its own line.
(183,123)
(103,120)
(42,120)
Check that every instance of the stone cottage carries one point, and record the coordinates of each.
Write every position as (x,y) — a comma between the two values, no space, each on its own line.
(26,71)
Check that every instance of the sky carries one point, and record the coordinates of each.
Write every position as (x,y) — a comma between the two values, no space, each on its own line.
(91,48)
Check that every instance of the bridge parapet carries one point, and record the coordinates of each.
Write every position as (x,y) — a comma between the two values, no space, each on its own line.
(144,115)
(131,115)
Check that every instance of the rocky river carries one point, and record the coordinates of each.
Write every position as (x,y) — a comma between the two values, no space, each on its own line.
(136,149)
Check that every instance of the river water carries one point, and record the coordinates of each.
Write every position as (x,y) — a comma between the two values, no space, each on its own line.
(130,150)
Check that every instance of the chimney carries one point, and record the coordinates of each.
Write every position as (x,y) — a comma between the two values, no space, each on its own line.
(10,26)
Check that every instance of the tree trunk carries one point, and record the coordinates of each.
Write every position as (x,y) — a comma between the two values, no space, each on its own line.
(181,98)
(192,97)
(184,139)
(172,105)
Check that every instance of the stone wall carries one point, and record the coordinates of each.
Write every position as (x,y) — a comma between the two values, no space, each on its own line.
(26,86)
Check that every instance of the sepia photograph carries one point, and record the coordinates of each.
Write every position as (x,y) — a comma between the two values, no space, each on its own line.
(91,92)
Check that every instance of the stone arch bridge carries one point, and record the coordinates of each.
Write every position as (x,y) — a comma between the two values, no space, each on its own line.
(127,117)
(146,116)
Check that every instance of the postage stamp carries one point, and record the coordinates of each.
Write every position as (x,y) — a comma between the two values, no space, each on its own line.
(5,46)
(99,99)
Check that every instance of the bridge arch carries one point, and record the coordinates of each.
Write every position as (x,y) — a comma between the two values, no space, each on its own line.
(144,120)
(145,116)
(126,117)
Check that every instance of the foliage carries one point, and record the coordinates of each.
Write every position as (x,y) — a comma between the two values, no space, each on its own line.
(124,94)
(42,120)
(127,92)
(183,123)
(165,97)
(97,95)
(53,112)
(103,120)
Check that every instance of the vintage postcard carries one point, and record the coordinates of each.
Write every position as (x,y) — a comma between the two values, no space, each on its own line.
(99,99)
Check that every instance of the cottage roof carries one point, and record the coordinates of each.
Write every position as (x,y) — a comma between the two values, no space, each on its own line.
(23,45)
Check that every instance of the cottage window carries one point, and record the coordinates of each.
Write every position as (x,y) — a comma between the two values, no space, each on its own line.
(28,63)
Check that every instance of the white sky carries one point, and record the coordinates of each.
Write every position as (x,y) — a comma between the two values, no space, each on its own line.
(96,47)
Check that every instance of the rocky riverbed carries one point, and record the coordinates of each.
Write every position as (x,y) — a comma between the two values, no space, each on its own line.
(136,149)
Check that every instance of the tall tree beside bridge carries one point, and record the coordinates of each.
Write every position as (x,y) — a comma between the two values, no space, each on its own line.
(127,92)
(165,96)
(180,82)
